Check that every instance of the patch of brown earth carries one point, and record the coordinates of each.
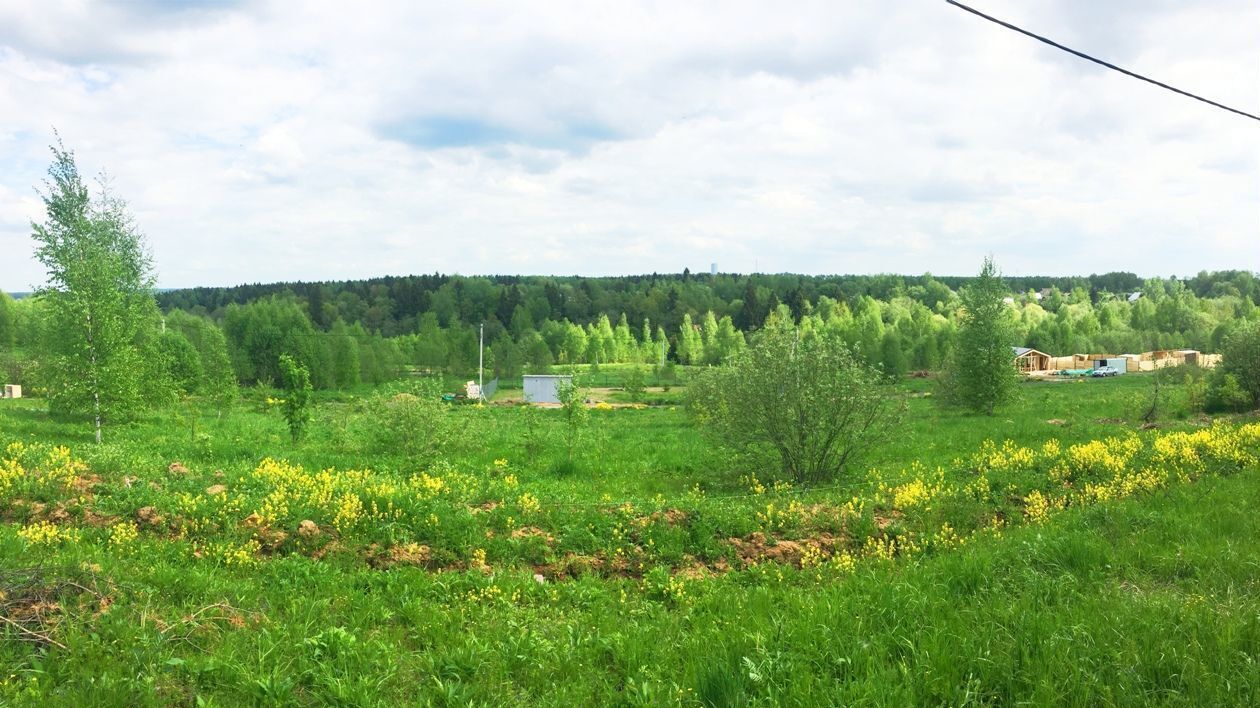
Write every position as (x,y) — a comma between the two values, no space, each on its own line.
(672,517)
(149,516)
(533,532)
(414,554)
(758,548)
(59,515)
(883,522)
(84,485)
(308,530)
(91,518)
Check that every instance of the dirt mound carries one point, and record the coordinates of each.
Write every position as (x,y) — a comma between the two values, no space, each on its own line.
(308,530)
(414,554)
(758,548)
(533,532)
(149,516)
(85,485)
(672,517)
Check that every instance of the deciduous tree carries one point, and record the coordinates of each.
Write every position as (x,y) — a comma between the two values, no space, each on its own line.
(99,297)
(980,374)
(810,404)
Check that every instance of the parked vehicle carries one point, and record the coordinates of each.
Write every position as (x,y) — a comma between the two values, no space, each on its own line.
(1105,371)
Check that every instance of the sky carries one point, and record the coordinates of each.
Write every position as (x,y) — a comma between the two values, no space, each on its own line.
(255,142)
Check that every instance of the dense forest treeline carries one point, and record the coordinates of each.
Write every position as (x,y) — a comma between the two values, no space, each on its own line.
(370,331)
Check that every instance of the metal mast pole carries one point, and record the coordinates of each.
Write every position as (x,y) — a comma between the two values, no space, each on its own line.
(481,361)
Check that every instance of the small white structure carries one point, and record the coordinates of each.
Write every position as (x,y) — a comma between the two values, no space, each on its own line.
(472,390)
(1119,363)
(12,391)
(540,388)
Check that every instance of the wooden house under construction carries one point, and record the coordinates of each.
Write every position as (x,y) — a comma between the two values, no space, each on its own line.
(1030,360)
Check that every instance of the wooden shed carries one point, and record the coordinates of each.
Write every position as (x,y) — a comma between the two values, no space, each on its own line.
(1030,360)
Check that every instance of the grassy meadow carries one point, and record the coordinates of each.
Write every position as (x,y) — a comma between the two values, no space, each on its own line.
(1060,552)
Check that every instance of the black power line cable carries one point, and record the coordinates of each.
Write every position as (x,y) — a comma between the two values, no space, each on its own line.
(1087,57)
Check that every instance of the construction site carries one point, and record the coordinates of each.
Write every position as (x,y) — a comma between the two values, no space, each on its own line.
(1035,363)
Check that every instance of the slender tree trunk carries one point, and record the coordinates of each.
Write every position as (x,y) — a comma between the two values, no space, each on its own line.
(95,380)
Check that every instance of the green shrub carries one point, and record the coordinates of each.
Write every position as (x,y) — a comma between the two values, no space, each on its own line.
(634,384)
(1225,393)
(807,403)
(576,415)
(408,419)
(296,407)
(1240,358)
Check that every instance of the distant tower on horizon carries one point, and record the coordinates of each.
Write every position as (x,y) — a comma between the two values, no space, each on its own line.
(713,268)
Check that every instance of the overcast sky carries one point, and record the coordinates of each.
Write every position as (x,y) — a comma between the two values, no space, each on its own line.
(360,139)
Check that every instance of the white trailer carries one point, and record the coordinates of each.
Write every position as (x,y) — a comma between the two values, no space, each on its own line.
(540,388)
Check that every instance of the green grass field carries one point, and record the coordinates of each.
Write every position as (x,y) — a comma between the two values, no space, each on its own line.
(1057,553)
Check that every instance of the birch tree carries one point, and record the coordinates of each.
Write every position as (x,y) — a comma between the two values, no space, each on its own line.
(980,374)
(99,297)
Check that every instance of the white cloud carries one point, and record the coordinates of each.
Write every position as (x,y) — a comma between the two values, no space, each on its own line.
(259,143)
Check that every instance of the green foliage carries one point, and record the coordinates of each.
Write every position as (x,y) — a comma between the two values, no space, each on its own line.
(8,323)
(212,369)
(575,414)
(807,403)
(1126,602)
(97,303)
(1225,393)
(347,365)
(980,374)
(900,322)
(690,345)
(893,356)
(409,420)
(634,385)
(260,332)
(183,364)
(1240,358)
(534,434)
(295,382)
